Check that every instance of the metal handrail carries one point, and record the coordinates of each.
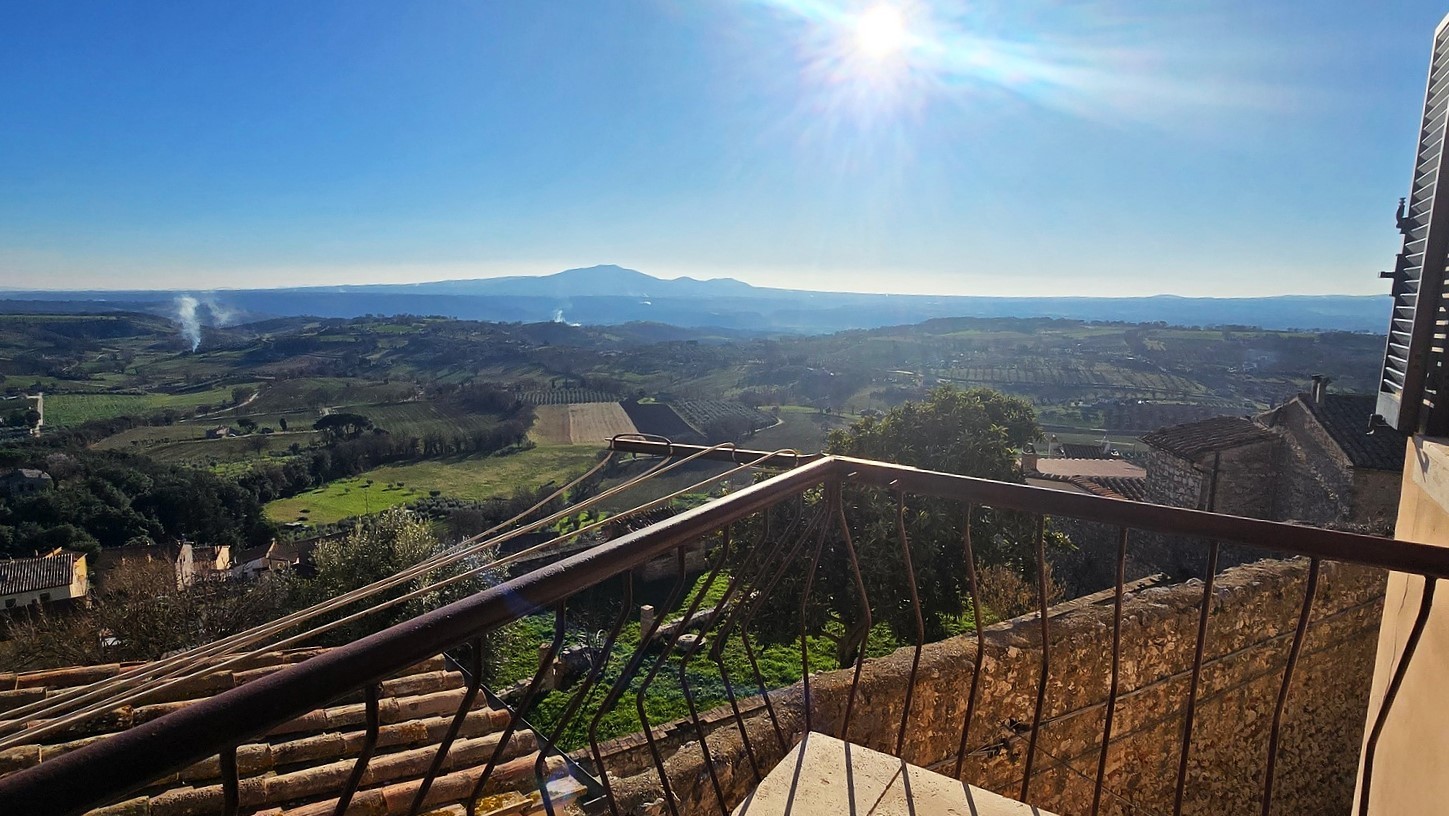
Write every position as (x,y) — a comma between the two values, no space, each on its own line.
(119,765)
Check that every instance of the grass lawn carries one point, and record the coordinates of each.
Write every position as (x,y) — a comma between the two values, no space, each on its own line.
(473,477)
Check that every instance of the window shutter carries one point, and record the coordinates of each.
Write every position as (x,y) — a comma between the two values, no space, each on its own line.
(1410,388)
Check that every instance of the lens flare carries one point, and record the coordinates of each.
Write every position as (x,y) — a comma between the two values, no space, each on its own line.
(881,32)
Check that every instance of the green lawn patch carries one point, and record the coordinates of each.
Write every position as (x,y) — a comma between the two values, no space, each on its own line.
(472,477)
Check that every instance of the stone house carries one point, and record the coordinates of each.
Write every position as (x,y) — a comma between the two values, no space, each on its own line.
(59,576)
(1224,464)
(24,481)
(1311,459)
(1331,470)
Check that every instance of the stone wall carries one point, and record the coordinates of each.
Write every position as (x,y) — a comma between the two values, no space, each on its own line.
(1314,481)
(1254,610)
(1376,498)
(1173,481)
(1246,477)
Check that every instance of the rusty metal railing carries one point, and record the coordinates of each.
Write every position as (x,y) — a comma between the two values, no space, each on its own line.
(764,548)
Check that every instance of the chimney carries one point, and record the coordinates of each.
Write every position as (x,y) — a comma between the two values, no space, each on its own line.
(1029,458)
(1320,387)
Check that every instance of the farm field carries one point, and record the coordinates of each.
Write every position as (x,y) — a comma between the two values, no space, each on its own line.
(702,414)
(73,409)
(286,395)
(568,396)
(473,477)
(236,450)
(595,422)
(589,423)
(423,418)
(800,428)
(551,425)
(660,420)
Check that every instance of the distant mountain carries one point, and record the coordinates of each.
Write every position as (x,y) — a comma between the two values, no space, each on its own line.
(611,295)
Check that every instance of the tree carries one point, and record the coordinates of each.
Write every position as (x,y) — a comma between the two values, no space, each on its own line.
(391,543)
(343,425)
(973,432)
(247,424)
(282,423)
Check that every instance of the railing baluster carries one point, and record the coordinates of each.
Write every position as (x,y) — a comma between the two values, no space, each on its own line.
(529,695)
(1298,635)
(920,621)
(804,643)
(230,782)
(980,644)
(369,744)
(1116,670)
(596,671)
(475,682)
(1197,658)
(1426,602)
(684,670)
(644,723)
(749,616)
(838,500)
(1041,579)
(754,564)
(621,683)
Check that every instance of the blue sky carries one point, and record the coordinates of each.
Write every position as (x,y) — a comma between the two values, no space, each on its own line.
(1014,147)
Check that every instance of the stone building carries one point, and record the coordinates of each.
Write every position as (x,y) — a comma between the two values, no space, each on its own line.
(1221,464)
(24,481)
(1331,470)
(1311,459)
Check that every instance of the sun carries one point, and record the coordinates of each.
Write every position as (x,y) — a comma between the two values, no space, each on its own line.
(880,32)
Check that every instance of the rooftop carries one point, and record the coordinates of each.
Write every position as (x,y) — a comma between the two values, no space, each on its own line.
(1111,468)
(1192,439)
(19,575)
(1346,419)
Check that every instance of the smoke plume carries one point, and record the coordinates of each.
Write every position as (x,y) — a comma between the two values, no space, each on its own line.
(220,315)
(186,316)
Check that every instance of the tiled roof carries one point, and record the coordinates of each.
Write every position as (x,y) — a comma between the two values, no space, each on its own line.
(1128,488)
(1346,419)
(298,766)
(1090,467)
(19,575)
(1133,488)
(1220,433)
(1077,450)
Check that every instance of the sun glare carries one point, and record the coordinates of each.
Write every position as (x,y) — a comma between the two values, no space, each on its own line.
(881,32)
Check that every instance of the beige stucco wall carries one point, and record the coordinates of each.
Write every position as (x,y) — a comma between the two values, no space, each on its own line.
(1411,769)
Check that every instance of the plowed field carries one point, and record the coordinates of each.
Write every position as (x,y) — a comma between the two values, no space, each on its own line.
(580,423)
(595,422)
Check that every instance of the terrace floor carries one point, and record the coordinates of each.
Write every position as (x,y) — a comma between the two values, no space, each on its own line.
(823,776)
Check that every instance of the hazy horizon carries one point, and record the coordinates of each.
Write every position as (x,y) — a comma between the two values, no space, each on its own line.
(224,289)
(1218,149)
